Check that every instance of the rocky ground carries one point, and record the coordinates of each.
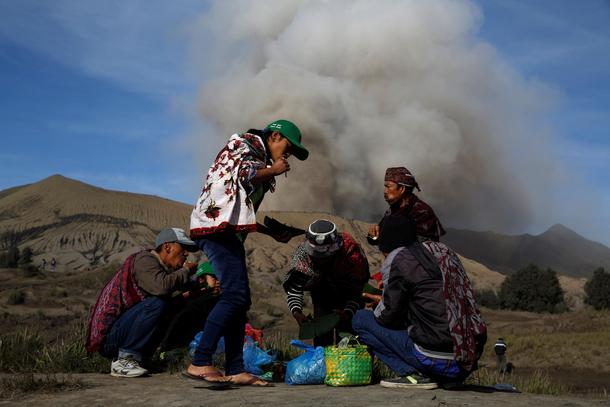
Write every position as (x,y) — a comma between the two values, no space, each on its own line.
(172,390)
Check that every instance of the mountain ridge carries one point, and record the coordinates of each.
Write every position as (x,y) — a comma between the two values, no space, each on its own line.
(87,225)
(558,248)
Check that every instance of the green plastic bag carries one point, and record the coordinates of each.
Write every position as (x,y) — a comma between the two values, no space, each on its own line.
(348,365)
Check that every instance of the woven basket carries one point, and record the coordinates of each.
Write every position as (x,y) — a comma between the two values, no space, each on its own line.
(348,366)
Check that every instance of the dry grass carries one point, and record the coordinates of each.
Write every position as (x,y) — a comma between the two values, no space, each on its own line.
(12,386)
(27,352)
(578,340)
(538,383)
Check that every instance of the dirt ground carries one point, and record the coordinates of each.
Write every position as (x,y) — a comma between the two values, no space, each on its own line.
(173,390)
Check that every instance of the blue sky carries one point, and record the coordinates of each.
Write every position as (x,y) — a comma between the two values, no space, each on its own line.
(104,92)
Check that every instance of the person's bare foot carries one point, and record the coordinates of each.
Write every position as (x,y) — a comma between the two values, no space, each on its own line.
(208,373)
(247,379)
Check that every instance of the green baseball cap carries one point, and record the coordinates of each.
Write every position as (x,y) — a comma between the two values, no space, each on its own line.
(205,268)
(289,130)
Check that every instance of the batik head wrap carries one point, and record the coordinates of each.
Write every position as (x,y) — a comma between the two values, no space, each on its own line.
(401,176)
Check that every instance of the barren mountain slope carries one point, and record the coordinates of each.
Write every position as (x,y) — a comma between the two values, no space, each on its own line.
(82,225)
(559,248)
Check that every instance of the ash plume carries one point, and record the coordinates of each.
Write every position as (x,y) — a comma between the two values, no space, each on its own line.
(379,83)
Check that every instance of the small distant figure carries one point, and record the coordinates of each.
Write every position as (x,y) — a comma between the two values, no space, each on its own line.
(500,349)
(53,264)
(44,264)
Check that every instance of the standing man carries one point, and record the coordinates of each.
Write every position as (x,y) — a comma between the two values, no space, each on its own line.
(333,267)
(244,170)
(134,309)
(423,224)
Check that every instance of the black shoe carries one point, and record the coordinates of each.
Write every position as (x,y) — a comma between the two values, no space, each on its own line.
(412,381)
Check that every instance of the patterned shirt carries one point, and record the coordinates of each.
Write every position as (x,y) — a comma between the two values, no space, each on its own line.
(427,225)
(346,275)
(226,199)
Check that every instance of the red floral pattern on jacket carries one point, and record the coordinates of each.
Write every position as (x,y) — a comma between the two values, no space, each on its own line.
(466,326)
(120,294)
(224,203)
(349,271)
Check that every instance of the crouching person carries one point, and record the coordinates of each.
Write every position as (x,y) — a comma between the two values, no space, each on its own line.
(333,268)
(134,310)
(427,327)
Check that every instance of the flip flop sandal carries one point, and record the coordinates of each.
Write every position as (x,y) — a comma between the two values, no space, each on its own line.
(203,378)
(253,382)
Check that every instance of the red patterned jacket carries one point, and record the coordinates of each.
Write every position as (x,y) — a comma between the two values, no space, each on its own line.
(120,294)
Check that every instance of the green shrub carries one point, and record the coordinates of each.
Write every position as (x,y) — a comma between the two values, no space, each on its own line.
(532,289)
(16,296)
(597,290)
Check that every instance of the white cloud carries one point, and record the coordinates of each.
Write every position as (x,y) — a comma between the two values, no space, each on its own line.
(137,43)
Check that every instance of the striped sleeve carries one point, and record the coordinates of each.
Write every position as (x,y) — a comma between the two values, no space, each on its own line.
(294,290)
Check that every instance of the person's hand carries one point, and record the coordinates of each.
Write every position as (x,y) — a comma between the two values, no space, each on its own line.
(372,299)
(300,317)
(374,231)
(280,166)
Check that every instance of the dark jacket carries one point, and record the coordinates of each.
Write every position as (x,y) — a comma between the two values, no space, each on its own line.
(413,299)
(426,224)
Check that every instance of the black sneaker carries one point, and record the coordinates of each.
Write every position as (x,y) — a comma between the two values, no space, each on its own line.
(412,381)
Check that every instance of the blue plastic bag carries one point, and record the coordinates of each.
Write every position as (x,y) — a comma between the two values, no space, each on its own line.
(309,368)
(195,342)
(255,358)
